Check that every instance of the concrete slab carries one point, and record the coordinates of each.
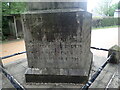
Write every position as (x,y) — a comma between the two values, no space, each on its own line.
(17,69)
(6,83)
(0,79)
(105,76)
(114,82)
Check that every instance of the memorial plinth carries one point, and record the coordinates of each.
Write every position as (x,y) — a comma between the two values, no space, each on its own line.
(32,6)
(58,45)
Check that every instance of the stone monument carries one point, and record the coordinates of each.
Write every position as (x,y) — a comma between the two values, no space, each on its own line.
(58,44)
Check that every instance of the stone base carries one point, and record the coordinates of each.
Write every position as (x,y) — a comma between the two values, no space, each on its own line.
(116,58)
(52,75)
(33,75)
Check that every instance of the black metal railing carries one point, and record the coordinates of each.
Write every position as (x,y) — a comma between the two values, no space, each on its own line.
(93,78)
(13,81)
(13,55)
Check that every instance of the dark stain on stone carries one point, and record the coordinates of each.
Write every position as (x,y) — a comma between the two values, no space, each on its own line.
(53,26)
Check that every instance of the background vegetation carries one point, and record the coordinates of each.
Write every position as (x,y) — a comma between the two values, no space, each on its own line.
(105,22)
(9,9)
(106,7)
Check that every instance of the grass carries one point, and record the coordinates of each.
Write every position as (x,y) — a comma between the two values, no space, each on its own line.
(105,27)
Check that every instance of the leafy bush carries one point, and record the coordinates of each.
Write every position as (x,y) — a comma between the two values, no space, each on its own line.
(103,22)
(9,8)
(13,8)
(5,28)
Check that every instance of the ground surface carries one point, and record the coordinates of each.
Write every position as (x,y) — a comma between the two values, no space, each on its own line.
(12,47)
(104,38)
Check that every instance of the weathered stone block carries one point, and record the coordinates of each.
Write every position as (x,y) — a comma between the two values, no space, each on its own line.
(55,5)
(116,58)
(58,44)
(35,75)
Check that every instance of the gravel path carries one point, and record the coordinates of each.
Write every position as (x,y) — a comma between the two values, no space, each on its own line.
(104,38)
(12,47)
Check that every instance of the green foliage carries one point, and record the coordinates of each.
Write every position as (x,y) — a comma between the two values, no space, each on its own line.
(9,8)
(106,8)
(13,8)
(112,9)
(5,28)
(109,22)
(103,22)
(119,5)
